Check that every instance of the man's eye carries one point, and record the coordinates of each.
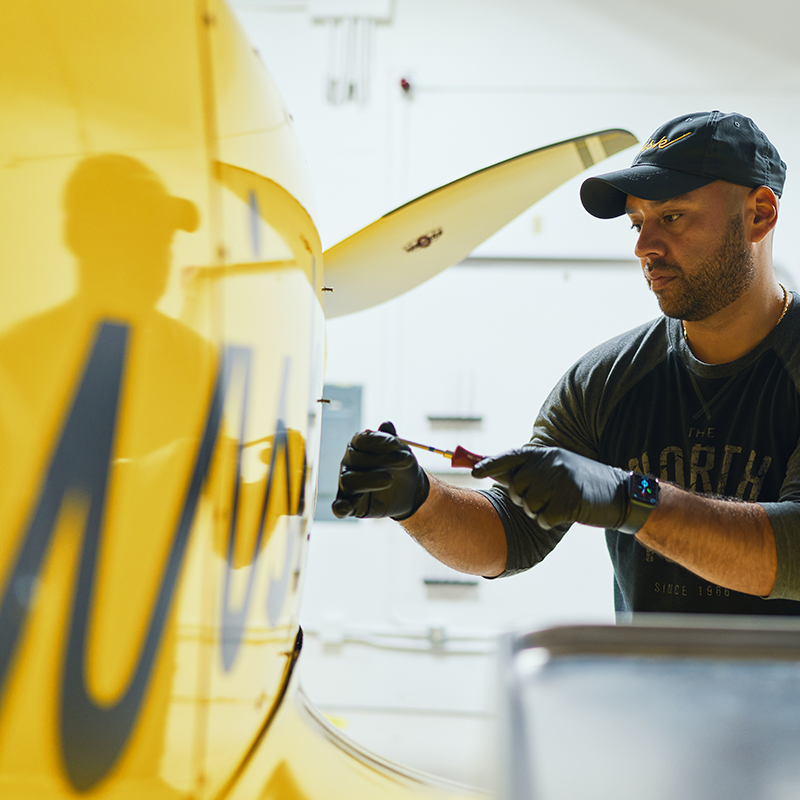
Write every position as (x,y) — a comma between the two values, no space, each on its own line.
(635,226)
(671,217)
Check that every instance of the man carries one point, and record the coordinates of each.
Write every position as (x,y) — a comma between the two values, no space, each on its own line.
(704,399)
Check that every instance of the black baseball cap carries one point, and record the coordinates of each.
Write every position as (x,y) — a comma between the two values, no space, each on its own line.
(684,154)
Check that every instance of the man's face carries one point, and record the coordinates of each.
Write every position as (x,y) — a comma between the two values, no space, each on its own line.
(693,250)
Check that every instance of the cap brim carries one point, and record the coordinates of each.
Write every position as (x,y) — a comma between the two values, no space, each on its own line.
(605,196)
(184,213)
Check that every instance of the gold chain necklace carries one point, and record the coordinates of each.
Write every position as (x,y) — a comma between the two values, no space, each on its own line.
(787,299)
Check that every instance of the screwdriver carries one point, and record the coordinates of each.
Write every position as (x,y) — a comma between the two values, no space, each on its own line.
(459,457)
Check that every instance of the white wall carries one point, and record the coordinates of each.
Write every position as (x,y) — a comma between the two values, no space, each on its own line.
(406,668)
(494,79)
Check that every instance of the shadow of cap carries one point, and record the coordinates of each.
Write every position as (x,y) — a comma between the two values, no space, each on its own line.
(117,185)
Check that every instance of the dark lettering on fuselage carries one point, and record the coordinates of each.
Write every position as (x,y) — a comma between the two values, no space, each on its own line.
(93,736)
(233,620)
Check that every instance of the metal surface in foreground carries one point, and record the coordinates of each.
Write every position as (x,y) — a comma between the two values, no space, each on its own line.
(689,708)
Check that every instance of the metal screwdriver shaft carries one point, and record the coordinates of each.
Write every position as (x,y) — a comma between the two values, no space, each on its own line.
(458,457)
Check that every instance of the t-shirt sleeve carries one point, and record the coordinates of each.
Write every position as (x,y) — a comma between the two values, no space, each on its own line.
(785,518)
(785,514)
(572,418)
(527,542)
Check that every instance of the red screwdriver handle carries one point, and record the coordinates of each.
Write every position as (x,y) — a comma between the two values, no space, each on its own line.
(463,458)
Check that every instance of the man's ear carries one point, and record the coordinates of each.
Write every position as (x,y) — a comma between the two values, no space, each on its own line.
(763,207)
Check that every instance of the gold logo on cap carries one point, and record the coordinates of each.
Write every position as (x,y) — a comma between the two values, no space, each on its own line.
(662,143)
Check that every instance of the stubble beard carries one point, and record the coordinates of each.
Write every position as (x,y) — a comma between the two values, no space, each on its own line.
(716,283)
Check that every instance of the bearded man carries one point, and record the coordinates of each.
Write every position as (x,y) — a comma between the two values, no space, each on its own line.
(680,437)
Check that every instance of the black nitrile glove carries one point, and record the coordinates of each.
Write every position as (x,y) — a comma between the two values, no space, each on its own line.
(556,486)
(380,477)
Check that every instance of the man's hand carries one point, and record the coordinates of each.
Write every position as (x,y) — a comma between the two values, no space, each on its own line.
(555,486)
(380,477)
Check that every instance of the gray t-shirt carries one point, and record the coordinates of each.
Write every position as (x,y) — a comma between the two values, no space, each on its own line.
(643,402)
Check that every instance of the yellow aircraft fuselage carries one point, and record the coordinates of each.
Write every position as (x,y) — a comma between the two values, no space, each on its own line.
(161,348)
